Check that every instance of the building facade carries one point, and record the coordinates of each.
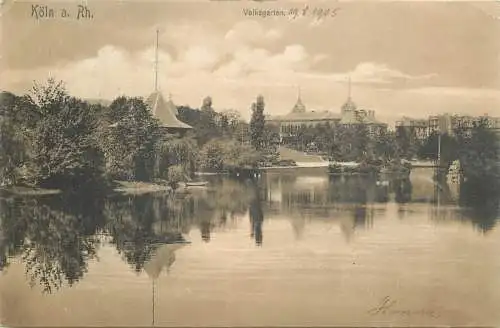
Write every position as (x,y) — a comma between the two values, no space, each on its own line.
(445,123)
(418,128)
(299,117)
(351,116)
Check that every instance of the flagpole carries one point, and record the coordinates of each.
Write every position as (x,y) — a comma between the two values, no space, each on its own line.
(156,60)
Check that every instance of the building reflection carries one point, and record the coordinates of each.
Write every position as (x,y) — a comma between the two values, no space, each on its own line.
(347,200)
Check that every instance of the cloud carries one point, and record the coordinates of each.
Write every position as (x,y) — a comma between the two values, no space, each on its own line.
(369,72)
(457,92)
(246,61)
(251,32)
(200,57)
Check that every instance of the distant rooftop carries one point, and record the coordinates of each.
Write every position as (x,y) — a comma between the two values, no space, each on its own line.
(359,116)
(306,116)
(410,121)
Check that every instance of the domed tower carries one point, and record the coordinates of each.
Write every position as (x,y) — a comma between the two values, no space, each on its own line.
(299,106)
(349,106)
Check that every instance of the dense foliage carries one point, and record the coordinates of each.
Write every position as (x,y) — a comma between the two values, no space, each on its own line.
(53,140)
(257,124)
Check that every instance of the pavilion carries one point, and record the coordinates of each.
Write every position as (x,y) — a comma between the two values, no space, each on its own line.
(166,112)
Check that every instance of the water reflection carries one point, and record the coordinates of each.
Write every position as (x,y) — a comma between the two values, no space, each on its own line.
(256,216)
(481,197)
(163,258)
(57,236)
(54,236)
(134,229)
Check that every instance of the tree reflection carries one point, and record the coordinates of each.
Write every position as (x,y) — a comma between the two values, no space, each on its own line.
(402,189)
(215,208)
(481,197)
(55,236)
(139,224)
(256,216)
(133,225)
(13,230)
(356,189)
(362,217)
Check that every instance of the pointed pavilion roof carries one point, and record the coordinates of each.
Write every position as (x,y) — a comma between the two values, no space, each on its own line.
(165,111)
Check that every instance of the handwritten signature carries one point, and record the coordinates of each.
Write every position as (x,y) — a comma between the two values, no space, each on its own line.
(388,306)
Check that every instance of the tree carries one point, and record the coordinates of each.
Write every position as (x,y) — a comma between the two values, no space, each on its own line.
(257,123)
(171,150)
(17,115)
(479,153)
(404,142)
(361,141)
(344,143)
(63,151)
(224,124)
(207,127)
(130,141)
(222,154)
(385,145)
(175,175)
(430,147)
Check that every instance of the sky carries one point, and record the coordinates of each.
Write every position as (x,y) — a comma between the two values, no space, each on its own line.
(403,58)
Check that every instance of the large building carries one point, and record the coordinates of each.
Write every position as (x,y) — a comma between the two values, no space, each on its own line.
(444,123)
(419,128)
(300,117)
(350,115)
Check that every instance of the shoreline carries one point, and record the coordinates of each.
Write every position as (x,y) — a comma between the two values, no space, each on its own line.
(123,187)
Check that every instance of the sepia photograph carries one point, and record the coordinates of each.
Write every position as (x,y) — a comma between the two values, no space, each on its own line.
(249,163)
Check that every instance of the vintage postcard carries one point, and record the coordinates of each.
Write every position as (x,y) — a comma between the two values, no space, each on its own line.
(248,163)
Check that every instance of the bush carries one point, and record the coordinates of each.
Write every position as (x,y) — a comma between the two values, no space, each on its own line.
(175,175)
(219,155)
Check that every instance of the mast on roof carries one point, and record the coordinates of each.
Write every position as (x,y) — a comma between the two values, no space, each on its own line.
(156,60)
(349,88)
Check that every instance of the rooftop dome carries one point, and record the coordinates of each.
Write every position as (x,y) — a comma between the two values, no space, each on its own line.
(349,105)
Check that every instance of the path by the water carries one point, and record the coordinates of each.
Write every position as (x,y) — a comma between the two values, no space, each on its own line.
(299,157)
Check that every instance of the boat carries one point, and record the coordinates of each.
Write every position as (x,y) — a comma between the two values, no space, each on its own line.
(196,183)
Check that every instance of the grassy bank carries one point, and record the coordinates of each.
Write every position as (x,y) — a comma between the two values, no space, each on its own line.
(297,156)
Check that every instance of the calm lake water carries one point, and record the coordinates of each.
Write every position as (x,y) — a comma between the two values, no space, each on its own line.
(295,248)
